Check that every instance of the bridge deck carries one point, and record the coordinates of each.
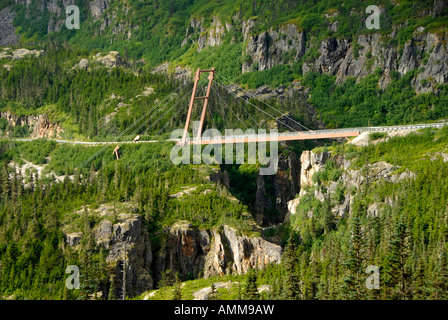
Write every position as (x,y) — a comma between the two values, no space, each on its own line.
(308,135)
(282,136)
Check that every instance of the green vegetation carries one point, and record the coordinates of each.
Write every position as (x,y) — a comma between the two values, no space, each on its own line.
(407,240)
(32,245)
(278,75)
(162,24)
(353,104)
(325,255)
(377,135)
(330,172)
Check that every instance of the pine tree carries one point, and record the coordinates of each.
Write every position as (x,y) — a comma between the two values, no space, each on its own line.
(111,294)
(354,262)
(177,291)
(290,263)
(5,182)
(213,295)
(440,283)
(399,251)
(251,288)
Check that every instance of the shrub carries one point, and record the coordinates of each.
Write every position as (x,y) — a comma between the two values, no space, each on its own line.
(377,135)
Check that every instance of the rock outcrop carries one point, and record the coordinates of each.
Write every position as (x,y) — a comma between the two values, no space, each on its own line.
(266,50)
(18,54)
(426,51)
(212,36)
(40,126)
(207,252)
(271,206)
(128,247)
(348,180)
(43,128)
(98,7)
(220,177)
(128,241)
(8,36)
(111,60)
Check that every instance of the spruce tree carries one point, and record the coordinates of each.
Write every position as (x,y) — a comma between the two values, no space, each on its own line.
(398,270)
(213,295)
(251,288)
(177,291)
(354,288)
(290,263)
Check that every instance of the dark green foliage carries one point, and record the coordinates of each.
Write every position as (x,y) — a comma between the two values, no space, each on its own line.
(331,172)
(291,278)
(354,104)
(397,268)
(251,288)
(354,263)
(177,291)
(405,241)
(377,135)
(31,219)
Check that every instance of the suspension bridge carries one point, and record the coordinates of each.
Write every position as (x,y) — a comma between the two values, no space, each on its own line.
(216,87)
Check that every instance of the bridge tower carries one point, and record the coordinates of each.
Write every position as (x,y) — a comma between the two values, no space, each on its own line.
(197,76)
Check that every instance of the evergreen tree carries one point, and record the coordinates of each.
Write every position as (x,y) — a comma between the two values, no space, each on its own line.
(354,287)
(251,288)
(398,269)
(290,263)
(213,295)
(177,291)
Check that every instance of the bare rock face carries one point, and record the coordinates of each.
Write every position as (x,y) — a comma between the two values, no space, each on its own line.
(285,184)
(262,200)
(312,162)
(221,177)
(439,8)
(43,128)
(8,36)
(22,53)
(40,125)
(97,8)
(83,64)
(128,239)
(183,250)
(214,35)
(74,238)
(237,254)
(199,252)
(436,68)
(125,239)
(111,60)
(267,48)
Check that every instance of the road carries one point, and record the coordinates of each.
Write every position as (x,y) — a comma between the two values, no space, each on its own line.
(282,136)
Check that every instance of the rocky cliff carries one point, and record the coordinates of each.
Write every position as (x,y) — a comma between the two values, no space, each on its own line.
(8,36)
(357,57)
(126,240)
(264,47)
(183,249)
(341,188)
(271,206)
(40,126)
(206,252)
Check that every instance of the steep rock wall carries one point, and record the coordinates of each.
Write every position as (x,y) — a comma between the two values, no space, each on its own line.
(41,126)
(207,252)
(348,180)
